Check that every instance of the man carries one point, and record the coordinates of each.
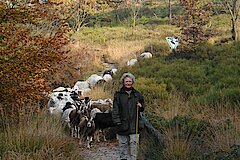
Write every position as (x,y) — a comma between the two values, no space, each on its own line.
(127,102)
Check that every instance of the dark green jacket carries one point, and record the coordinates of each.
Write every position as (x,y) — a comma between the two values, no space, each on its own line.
(124,111)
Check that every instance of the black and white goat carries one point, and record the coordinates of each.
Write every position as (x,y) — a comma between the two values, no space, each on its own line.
(88,131)
(87,128)
(65,118)
(76,117)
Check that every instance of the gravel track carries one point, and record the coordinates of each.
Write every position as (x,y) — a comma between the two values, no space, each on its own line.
(101,151)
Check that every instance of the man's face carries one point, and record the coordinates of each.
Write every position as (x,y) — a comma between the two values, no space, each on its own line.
(128,82)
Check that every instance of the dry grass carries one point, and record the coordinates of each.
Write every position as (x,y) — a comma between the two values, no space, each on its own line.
(85,57)
(99,93)
(176,148)
(78,64)
(225,127)
(120,51)
(223,137)
(39,137)
(172,107)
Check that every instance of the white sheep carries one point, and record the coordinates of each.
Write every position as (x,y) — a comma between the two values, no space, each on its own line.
(53,101)
(94,79)
(94,111)
(58,101)
(107,77)
(131,62)
(60,89)
(81,86)
(114,70)
(146,55)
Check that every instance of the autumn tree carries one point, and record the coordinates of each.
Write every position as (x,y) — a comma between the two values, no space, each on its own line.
(78,12)
(27,52)
(196,16)
(134,7)
(81,10)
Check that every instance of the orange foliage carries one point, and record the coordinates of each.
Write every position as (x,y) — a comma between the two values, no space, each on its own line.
(196,16)
(24,58)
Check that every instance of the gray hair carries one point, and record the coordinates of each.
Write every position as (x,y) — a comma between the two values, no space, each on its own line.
(130,75)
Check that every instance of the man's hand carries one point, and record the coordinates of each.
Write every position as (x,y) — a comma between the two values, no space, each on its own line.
(139,105)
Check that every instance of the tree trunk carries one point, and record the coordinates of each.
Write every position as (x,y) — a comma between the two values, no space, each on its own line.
(234,29)
(233,8)
(170,11)
(234,19)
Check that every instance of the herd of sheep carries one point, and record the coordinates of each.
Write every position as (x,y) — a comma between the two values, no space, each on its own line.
(85,118)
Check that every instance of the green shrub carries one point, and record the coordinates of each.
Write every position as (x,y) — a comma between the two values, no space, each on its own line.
(190,128)
(151,21)
(151,89)
(211,79)
(232,95)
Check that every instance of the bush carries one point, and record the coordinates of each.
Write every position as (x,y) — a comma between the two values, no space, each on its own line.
(151,89)
(151,21)
(210,79)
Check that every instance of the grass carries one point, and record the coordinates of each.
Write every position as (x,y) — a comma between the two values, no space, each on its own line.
(100,93)
(38,137)
(176,148)
(121,44)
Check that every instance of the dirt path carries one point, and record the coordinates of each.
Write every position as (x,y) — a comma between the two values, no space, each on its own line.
(101,151)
